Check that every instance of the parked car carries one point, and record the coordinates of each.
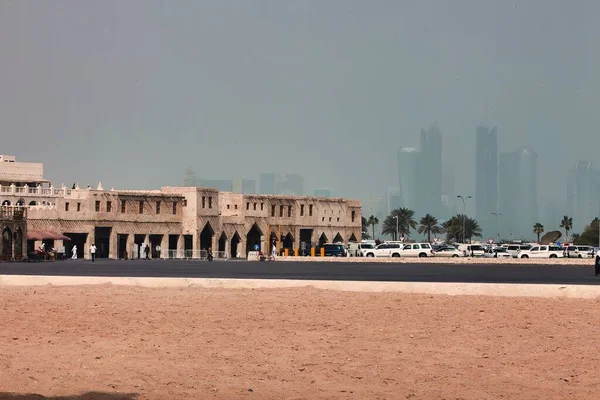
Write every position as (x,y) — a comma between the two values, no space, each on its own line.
(472,250)
(333,250)
(416,250)
(541,252)
(384,250)
(580,252)
(514,249)
(496,252)
(447,252)
(358,249)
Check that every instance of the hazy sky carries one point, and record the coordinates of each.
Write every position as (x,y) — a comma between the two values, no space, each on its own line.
(133,92)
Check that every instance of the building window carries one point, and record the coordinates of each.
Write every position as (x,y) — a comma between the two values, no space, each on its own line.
(210,202)
(310,209)
(228,206)
(97,206)
(272,211)
(67,206)
(247,206)
(302,210)
(108,206)
(158,207)
(235,206)
(323,219)
(338,220)
(254,206)
(329,219)
(261,206)
(174,208)
(353,215)
(78,206)
(123,204)
(141,207)
(281,211)
(203,201)
(289,211)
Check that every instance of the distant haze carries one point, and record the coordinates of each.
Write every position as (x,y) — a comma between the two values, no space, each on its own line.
(133,92)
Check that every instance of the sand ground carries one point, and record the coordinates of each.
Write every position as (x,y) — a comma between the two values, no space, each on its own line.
(300,343)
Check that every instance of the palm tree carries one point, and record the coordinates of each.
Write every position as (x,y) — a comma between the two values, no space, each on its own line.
(372,221)
(402,219)
(365,228)
(566,223)
(454,228)
(429,225)
(538,229)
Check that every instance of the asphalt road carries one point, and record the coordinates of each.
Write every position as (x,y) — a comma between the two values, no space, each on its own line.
(416,272)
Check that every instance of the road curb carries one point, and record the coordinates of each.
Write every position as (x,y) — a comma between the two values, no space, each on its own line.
(444,288)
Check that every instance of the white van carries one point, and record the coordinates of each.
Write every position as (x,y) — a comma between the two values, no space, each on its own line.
(358,249)
(472,250)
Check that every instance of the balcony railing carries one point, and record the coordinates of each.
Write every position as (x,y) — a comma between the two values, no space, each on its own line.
(35,191)
(13,213)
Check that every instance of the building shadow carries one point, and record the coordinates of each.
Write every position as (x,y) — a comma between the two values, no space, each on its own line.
(83,396)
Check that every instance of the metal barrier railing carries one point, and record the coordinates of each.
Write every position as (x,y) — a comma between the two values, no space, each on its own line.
(192,255)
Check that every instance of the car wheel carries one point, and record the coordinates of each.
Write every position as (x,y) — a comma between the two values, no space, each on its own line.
(454,255)
(395,255)
(553,256)
(422,255)
(524,256)
(370,255)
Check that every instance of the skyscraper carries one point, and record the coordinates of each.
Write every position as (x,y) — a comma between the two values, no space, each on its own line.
(224,185)
(324,192)
(268,183)
(507,195)
(430,182)
(582,195)
(293,184)
(244,186)
(394,199)
(486,178)
(408,170)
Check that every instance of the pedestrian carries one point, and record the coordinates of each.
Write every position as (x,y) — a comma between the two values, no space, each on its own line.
(273,251)
(74,252)
(147,250)
(93,252)
(209,255)
(158,250)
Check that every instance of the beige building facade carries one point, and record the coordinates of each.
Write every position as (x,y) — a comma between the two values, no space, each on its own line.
(175,222)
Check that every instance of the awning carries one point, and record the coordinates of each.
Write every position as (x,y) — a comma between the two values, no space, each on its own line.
(46,235)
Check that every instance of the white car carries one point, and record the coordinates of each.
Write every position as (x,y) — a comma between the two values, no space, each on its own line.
(447,252)
(541,252)
(514,249)
(580,252)
(472,250)
(497,252)
(384,250)
(417,250)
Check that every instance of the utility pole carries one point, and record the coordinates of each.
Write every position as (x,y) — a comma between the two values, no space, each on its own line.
(396,218)
(464,215)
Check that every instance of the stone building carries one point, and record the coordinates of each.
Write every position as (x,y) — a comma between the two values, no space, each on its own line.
(184,221)
(14,232)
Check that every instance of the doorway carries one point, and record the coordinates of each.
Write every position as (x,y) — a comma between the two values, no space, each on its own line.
(7,244)
(138,240)
(222,243)
(102,237)
(206,237)
(253,239)
(18,244)
(77,239)
(288,243)
(338,238)
(155,240)
(235,241)
(122,246)
(305,241)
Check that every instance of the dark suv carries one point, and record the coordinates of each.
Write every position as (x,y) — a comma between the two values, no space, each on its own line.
(333,250)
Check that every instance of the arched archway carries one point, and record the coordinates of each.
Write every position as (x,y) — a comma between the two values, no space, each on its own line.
(6,203)
(20,203)
(352,238)
(253,238)
(206,237)
(235,241)
(322,239)
(32,203)
(288,243)
(222,242)
(338,238)
(6,244)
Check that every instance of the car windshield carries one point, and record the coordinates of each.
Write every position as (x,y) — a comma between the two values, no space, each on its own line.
(367,246)
(476,248)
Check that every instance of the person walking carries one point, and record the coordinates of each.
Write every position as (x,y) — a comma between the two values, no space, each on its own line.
(74,253)
(93,252)
(158,250)
(147,250)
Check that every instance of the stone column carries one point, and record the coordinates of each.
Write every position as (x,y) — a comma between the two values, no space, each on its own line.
(164,246)
(130,245)
(264,246)
(214,243)
(196,245)
(113,242)
(242,248)
(228,248)
(180,247)
(91,238)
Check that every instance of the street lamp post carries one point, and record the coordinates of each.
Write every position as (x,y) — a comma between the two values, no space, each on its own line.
(497,231)
(464,215)
(396,218)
